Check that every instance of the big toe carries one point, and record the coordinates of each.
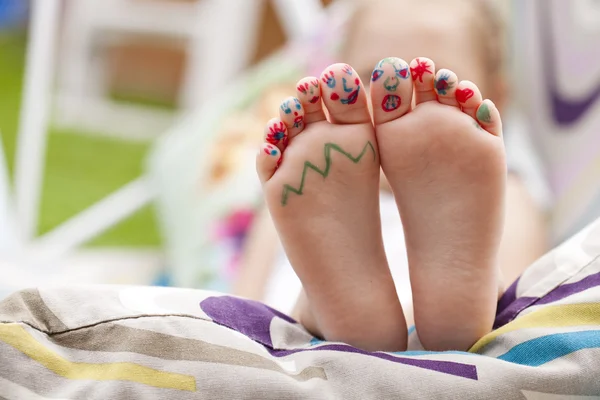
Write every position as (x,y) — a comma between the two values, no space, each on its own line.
(344,95)
(391,89)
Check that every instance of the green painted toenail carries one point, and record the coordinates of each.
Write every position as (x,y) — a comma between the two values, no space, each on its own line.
(483,114)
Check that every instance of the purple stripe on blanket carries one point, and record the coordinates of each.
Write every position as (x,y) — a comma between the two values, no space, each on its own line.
(447,367)
(560,292)
(249,317)
(253,319)
(508,297)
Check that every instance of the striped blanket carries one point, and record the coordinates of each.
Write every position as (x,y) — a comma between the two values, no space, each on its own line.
(119,342)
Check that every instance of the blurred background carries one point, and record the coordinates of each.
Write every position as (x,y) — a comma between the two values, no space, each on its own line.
(129,127)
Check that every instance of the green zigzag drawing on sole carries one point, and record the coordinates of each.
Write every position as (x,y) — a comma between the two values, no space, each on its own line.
(324,173)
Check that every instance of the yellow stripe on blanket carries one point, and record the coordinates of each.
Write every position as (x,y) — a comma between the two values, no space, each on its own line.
(583,314)
(16,336)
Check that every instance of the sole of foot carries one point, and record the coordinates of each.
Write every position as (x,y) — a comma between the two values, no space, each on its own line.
(445,162)
(320,176)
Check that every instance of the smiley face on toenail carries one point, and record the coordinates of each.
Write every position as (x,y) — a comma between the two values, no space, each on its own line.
(462,95)
(390,102)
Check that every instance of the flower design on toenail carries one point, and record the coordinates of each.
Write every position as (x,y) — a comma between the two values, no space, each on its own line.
(442,85)
(276,133)
(391,83)
(377,73)
(421,69)
(347,69)
(463,95)
(329,79)
(391,102)
(270,150)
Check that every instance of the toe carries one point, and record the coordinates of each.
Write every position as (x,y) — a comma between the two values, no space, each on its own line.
(267,161)
(488,117)
(276,133)
(422,70)
(469,97)
(292,115)
(445,87)
(391,90)
(309,93)
(344,95)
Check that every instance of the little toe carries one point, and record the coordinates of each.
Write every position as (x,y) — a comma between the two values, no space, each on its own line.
(391,90)
(488,117)
(276,133)
(422,70)
(344,95)
(469,97)
(267,161)
(309,93)
(445,87)
(291,113)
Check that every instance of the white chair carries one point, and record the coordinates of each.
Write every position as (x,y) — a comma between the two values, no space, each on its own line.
(217,56)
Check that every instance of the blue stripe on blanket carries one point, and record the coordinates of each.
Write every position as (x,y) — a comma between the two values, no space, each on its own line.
(536,352)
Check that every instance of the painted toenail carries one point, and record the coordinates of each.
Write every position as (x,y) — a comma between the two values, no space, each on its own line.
(484,114)
(463,95)
(276,133)
(270,150)
(377,73)
(298,121)
(285,107)
(421,69)
(391,83)
(401,69)
(329,79)
(391,102)
(442,85)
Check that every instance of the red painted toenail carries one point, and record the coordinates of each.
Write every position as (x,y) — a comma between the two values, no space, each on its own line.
(463,95)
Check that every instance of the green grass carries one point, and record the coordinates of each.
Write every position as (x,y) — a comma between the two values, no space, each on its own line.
(80,170)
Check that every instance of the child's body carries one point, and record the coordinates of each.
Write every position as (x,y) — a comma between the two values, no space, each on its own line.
(448,181)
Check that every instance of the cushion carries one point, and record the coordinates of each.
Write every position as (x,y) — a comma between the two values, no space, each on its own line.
(99,342)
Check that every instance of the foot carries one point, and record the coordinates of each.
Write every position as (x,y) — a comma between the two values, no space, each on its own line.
(445,163)
(321,184)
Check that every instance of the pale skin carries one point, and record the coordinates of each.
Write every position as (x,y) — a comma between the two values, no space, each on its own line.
(371,41)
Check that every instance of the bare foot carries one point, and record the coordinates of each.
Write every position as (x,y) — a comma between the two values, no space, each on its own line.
(445,163)
(321,184)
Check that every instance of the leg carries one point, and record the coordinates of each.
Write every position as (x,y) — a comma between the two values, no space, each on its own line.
(446,166)
(322,190)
